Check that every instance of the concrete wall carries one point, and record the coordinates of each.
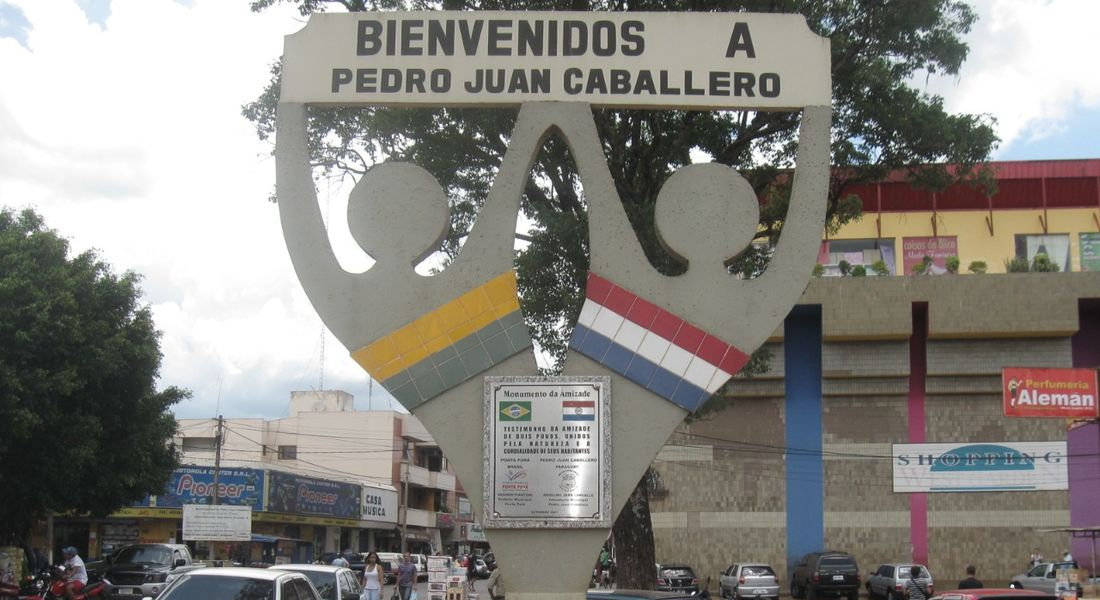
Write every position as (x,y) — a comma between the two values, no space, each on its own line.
(729,479)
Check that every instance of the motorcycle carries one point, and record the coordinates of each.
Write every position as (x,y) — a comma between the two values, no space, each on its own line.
(50,585)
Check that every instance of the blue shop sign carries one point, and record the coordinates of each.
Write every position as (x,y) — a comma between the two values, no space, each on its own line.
(195,485)
(290,493)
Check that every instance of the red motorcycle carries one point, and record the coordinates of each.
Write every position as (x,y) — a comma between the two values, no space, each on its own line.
(50,585)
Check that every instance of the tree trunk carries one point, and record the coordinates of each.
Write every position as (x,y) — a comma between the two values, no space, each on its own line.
(635,558)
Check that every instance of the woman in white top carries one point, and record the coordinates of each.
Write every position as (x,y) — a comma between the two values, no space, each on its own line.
(373,577)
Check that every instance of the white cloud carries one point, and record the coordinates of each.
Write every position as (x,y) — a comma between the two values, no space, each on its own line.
(128,138)
(1031,65)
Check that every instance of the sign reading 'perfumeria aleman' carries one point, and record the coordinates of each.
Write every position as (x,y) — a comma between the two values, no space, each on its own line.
(608,59)
(1059,393)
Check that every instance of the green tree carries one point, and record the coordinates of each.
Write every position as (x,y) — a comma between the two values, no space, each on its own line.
(85,430)
(881,123)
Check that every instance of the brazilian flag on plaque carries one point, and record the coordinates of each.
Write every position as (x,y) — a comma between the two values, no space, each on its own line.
(514,411)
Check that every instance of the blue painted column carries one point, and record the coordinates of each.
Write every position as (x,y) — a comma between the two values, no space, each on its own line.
(805,470)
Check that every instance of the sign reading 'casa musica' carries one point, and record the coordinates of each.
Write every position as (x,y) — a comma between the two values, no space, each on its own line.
(609,59)
(1059,393)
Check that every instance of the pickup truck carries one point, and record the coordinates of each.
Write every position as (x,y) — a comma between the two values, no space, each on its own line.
(143,570)
(1043,577)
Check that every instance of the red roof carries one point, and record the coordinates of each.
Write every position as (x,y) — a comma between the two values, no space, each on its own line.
(1020,184)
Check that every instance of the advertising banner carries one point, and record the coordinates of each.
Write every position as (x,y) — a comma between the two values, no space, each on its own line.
(547,463)
(291,493)
(980,467)
(217,523)
(1090,251)
(195,485)
(1058,393)
(379,504)
(914,249)
(628,59)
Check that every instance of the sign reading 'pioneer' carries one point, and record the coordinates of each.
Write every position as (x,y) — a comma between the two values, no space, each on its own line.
(608,59)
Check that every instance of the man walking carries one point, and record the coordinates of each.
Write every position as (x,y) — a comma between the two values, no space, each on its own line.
(406,576)
(971,582)
(496,585)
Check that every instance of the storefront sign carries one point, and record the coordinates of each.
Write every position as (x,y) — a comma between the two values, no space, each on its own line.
(1059,393)
(1090,251)
(379,505)
(465,511)
(980,467)
(195,485)
(937,249)
(296,494)
(471,532)
(547,457)
(217,523)
(605,58)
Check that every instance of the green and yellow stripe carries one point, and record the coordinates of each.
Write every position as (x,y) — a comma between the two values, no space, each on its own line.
(449,345)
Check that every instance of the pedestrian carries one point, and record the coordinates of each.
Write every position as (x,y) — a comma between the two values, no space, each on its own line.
(913,589)
(496,585)
(971,581)
(340,561)
(76,576)
(373,577)
(1066,556)
(1036,558)
(406,576)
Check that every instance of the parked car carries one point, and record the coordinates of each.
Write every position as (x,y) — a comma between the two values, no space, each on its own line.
(748,580)
(144,570)
(240,583)
(333,583)
(390,561)
(677,578)
(994,594)
(826,573)
(1043,577)
(888,581)
(481,568)
(606,594)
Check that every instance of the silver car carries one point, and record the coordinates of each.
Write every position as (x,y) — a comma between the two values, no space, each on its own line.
(749,580)
(888,581)
(333,583)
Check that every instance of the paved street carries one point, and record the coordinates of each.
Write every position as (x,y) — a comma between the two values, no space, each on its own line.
(422,590)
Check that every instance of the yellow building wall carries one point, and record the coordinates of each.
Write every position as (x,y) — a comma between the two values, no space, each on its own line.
(975,241)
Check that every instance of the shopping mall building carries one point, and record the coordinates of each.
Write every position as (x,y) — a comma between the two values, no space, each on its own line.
(804,457)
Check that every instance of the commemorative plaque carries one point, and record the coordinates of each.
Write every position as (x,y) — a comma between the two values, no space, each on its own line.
(547,453)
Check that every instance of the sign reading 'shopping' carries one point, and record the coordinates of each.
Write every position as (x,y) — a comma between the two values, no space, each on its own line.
(609,59)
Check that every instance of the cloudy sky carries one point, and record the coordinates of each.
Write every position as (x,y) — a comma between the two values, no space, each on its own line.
(120,123)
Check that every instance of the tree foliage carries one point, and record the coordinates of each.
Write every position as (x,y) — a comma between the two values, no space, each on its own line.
(881,123)
(85,430)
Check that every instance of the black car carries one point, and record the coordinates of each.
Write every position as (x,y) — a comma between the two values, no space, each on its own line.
(677,578)
(825,573)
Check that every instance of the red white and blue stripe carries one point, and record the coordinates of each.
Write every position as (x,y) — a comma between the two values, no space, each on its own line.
(651,346)
(578,410)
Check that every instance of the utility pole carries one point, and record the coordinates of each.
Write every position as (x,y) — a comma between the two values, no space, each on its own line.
(405,500)
(217,472)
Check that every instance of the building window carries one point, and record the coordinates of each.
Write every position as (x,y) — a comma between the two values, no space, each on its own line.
(198,444)
(1054,245)
(288,452)
(852,253)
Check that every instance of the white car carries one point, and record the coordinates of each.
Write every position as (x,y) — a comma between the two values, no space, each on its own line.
(240,583)
(333,583)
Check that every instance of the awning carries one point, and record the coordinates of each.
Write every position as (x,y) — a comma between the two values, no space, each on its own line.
(272,539)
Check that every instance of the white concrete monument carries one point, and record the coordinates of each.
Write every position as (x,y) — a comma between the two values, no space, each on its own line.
(548,462)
